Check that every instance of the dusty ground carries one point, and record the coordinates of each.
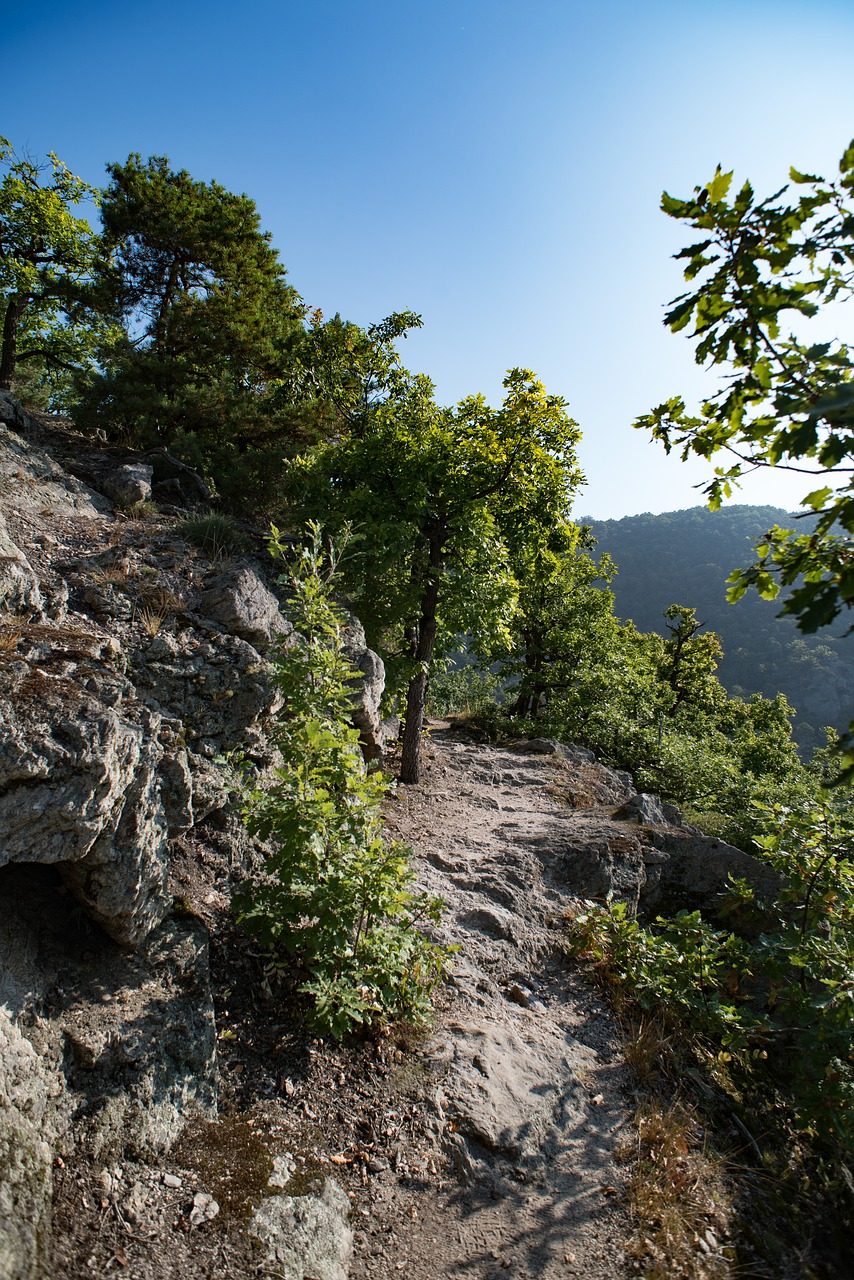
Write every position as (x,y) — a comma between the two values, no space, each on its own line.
(488,1148)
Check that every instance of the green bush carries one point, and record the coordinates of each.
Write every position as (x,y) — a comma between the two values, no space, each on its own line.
(336,895)
(467,690)
(772,1002)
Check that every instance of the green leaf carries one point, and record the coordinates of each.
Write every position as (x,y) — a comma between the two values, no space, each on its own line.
(719,185)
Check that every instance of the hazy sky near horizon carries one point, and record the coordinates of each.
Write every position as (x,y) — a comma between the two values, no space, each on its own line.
(495,166)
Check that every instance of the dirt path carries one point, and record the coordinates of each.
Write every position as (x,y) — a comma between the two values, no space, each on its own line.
(527,1089)
(488,1149)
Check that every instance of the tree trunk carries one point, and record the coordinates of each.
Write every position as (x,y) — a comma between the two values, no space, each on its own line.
(15,308)
(416,696)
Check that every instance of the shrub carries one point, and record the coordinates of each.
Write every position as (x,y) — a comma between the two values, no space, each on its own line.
(775,1005)
(336,895)
(467,690)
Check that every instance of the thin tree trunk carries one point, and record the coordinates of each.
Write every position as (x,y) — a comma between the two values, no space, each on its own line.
(15,308)
(416,696)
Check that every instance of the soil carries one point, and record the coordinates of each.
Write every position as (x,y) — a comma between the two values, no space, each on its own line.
(495,1145)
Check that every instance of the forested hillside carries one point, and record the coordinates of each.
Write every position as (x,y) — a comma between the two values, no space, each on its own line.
(685,557)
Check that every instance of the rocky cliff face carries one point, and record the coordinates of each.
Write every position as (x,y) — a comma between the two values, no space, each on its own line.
(129,662)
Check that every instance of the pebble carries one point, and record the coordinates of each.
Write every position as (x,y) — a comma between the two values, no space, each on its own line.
(204,1209)
(172,1180)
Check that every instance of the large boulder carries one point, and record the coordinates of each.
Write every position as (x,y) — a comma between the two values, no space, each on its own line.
(368,689)
(237,600)
(80,788)
(128,483)
(116,1047)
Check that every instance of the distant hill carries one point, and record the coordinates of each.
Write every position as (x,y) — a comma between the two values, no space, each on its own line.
(685,557)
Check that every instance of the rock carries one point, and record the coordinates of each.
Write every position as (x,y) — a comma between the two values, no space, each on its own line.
(239,602)
(539,747)
(368,692)
(511,1089)
(12,413)
(602,861)
(204,1209)
(31,481)
(217,686)
(135,1034)
(697,868)
(26,1159)
(128,484)
(649,809)
(306,1237)
(79,788)
(176,789)
(19,588)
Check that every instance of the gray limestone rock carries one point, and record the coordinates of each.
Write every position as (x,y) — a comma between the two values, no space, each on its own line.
(19,587)
(217,685)
(128,484)
(368,692)
(697,868)
(79,788)
(239,602)
(511,1088)
(124,1043)
(306,1237)
(26,1159)
(651,810)
(539,747)
(30,480)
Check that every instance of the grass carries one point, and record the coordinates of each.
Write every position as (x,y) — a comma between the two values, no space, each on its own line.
(217,535)
(10,635)
(679,1197)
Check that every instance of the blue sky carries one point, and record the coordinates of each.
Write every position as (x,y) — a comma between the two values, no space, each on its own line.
(493,165)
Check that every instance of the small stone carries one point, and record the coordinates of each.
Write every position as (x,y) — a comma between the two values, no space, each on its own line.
(204,1209)
(377,1165)
(172,1180)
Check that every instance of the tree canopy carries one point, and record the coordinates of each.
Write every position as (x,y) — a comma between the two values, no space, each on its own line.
(439,498)
(46,252)
(787,402)
(205,316)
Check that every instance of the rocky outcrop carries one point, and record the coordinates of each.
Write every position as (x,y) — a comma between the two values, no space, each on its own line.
(367,692)
(237,600)
(129,664)
(79,788)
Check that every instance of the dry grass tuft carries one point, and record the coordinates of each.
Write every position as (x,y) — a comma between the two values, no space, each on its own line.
(679,1198)
(162,600)
(648,1048)
(151,619)
(10,635)
(115,575)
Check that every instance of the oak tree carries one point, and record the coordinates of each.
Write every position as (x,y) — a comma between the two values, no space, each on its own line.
(46,252)
(438,496)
